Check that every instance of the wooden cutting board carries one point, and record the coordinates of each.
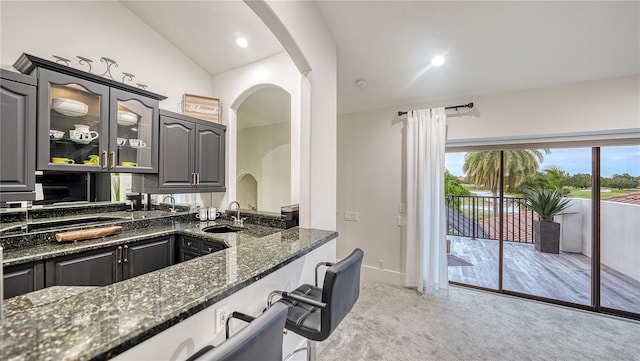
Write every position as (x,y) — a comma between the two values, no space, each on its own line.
(87,234)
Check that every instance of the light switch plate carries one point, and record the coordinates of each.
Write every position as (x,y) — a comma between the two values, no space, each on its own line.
(351,216)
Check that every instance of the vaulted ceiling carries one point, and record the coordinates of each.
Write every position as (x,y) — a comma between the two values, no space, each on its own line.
(490,47)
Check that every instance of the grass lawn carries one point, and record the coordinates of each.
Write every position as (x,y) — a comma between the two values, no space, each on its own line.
(604,193)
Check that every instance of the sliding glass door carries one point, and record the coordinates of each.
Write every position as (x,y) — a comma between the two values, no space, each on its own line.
(587,255)
(620,228)
(550,259)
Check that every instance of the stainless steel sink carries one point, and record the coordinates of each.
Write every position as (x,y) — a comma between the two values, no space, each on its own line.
(221,228)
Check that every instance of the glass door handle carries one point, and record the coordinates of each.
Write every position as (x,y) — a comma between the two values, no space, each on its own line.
(113,159)
(105,160)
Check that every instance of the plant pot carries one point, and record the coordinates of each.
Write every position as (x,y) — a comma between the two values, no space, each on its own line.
(546,236)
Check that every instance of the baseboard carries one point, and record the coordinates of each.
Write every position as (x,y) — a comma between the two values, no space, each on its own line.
(381,275)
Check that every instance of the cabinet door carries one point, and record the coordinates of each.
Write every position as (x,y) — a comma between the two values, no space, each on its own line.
(92,268)
(177,148)
(133,136)
(210,156)
(147,256)
(21,279)
(17,137)
(73,126)
(187,255)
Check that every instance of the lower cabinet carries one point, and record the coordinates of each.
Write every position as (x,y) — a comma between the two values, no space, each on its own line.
(190,248)
(22,278)
(109,265)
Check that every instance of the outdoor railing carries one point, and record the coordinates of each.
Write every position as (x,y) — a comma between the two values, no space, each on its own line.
(476,217)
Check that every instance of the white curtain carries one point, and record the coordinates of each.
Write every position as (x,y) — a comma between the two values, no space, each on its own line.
(425,243)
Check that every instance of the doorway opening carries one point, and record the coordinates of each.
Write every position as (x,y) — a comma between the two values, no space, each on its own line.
(264,150)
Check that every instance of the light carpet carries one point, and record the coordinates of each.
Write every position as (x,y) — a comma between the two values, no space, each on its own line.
(396,323)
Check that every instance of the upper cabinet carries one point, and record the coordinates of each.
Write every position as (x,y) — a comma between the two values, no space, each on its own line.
(192,157)
(17,136)
(90,123)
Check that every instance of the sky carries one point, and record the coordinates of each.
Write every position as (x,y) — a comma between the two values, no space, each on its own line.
(613,160)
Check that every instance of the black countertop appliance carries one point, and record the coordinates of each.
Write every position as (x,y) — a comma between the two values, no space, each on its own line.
(136,201)
(290,215)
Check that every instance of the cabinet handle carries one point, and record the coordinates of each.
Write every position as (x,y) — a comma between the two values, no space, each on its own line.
(210,248)
(198,178)
(113,160)
(193,179)
(188,244)
(119,254)
(126,254)
(105,161)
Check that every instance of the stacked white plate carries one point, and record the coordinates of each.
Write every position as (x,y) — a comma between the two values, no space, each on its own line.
(69,107)
(127,118)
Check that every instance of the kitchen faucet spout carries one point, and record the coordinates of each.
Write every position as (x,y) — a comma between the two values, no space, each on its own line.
(237,221)
(173,203)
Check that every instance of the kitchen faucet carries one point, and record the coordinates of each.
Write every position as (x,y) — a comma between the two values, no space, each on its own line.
(173,203)
(237,221)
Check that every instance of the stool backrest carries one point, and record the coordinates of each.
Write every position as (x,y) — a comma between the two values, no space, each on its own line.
(340,290)
(261,339)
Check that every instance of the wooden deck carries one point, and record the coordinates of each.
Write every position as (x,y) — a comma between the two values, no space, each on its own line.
(564,276)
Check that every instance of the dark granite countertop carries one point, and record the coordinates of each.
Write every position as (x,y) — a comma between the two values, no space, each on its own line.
(98,323)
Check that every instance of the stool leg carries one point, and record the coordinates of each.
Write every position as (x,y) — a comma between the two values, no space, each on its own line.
(311,350)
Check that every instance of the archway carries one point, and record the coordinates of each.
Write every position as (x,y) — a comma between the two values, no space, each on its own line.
(264,147)
(247,192)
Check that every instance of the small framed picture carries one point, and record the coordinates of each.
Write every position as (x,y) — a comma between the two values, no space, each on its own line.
(201,107)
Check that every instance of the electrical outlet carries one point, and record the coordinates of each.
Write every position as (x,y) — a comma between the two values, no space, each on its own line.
(381,263)
(221,314)
(351,216)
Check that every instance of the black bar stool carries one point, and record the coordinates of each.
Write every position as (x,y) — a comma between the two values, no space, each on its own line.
(315,312)
(261,339)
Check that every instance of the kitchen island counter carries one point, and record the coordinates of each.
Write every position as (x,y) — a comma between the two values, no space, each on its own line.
(102,322)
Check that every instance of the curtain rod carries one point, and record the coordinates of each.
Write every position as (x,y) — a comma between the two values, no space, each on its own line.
(469,105)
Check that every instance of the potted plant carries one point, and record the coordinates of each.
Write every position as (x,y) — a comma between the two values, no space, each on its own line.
(546,204)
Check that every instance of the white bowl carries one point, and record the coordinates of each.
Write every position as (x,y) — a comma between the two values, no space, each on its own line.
(127,118)
(56,134)
(69,107)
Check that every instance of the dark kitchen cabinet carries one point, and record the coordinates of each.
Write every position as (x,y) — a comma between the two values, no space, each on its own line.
(23,278)
(91,268)
(148,256)
(190,248)
(109,265)
(192,157)
(17,136)
(90,123)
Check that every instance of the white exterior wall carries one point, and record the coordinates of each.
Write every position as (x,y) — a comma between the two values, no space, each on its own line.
(370,145)
(94,29)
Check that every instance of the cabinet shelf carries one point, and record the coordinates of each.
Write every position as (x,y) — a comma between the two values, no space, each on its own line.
(93,143)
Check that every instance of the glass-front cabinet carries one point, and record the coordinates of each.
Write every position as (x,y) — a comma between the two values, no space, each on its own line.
(134,130)
(73,127)
(89,123)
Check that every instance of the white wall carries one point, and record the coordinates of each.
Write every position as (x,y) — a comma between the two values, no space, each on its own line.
(95,29)
(370,146)
(265,153)
(307,29)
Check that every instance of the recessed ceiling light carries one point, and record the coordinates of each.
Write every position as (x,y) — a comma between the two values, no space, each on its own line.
(437,61)
(242,42)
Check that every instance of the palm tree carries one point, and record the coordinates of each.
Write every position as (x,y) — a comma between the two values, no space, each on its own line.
(483,169)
